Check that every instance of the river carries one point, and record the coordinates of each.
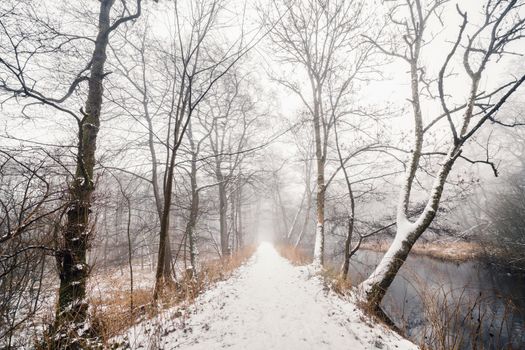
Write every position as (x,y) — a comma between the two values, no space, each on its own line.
(469,305)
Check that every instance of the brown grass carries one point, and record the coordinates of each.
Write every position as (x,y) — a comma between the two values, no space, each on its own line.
(459,321)
(331,276)
(334,281)
(296,256)
(220,269)
(455,318)
(112,314)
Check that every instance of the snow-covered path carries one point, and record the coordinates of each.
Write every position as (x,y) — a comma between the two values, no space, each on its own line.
(269,304)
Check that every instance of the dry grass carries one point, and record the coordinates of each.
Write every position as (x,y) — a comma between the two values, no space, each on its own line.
(458,320)
(331,276)
(447,251)
(334,281)
(455,317)
(220,269)
(296,256)
(112,313)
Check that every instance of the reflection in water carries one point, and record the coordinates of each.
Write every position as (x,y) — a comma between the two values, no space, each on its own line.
(476,303)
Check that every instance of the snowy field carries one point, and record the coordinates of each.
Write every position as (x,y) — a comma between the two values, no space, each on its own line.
(267,304)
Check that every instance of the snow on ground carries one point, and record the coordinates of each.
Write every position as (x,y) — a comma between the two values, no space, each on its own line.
(102,285)
(267,304)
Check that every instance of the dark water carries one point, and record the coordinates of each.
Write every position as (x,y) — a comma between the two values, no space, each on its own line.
(473,304)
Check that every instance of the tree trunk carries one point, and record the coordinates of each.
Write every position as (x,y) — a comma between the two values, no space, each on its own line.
(155,182)
(374,288)
(194,206)
(223,213)
(190,229)
(233,220)
(168,257)
(305,222)
(295,219)
(348,243)
(281,205)
(130,251)
(320,199)
(351,215)
(240,234)
(162,275)
(71,311)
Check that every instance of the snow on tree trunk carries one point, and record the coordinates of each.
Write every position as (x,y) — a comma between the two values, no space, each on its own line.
(318,259)
(72,308)
(320,162)
(373,289)
(319,230)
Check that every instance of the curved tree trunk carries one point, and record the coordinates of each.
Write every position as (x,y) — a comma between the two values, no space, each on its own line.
(373,289)
(351,216)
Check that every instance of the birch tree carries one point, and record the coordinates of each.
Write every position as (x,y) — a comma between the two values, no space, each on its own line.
(318,36)
(478,45)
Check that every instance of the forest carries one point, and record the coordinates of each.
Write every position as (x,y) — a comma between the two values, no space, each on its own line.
(207,174)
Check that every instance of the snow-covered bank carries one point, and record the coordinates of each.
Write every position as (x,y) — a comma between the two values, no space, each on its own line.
(267,304)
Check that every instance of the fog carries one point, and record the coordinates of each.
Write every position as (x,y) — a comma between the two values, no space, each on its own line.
(162,137)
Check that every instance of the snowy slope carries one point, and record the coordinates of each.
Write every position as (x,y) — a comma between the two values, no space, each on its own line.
(268,304)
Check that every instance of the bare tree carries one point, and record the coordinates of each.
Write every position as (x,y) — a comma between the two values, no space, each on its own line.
(305,147)
(318,36)
(501,25)
(29,202)
(21,50)
(229,121)
(144,103)
(169,94)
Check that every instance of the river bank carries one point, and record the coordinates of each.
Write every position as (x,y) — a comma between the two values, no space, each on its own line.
(458,251)
(444,297)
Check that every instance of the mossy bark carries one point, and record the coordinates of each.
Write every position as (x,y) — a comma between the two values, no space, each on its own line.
(70,325)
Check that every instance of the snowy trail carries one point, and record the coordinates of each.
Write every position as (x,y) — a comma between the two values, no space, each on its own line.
(270,304)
